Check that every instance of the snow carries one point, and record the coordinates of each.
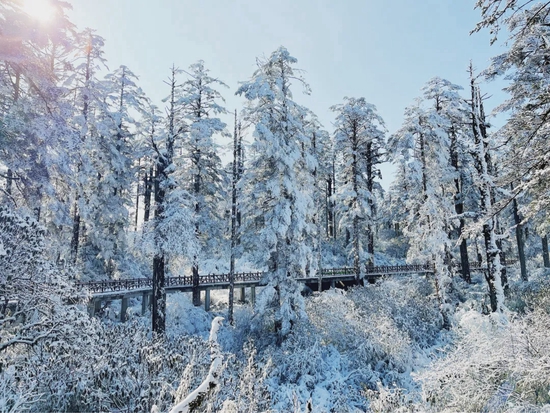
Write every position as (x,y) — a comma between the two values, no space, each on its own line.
(80,156)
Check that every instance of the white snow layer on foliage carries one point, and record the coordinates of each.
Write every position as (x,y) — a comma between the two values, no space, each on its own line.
(212,378)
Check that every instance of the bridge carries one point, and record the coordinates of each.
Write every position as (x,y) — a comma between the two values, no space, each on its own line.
(102,291)
(108,290)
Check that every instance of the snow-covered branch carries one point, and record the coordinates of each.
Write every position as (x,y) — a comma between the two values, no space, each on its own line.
(196,397)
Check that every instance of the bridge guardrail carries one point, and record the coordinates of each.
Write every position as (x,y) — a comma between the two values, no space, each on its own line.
(137,283)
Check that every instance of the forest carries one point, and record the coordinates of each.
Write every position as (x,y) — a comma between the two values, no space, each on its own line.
(100,187)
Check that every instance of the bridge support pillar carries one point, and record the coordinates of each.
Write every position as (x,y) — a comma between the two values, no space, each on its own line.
(252,295)
(332,284)
(91,308)
(207,300)
(145,302)
(123,309)
(241,295)
(94,306)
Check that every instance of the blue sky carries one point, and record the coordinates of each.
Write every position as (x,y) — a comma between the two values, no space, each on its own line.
(383,50)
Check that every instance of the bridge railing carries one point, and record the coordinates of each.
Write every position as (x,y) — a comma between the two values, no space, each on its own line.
(175,281)
(337,271)
(397,269)
(187,281)
(247,276)
(117,285)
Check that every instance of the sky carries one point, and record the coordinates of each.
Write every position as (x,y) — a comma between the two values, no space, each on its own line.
(382,50)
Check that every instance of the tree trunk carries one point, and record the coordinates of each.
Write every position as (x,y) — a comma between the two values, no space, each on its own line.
(9,182)
(158,312)
(545,255)
(76,233)
(481,161)
(330,211)
(195,269)
(148,184)
(370,188)
(355,229)
(137,203)
(459,209)
(233,225)
(519,239)
(159,295)
(240,172)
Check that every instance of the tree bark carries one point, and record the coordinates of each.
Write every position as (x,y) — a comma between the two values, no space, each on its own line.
(159,295)
(330,211)
(137,198)
(370,188)
(148,184)
(519,239)
(76,233)
(459,209)
(545,255)
(233,225)
(158,312)
(481,161)
(355,229)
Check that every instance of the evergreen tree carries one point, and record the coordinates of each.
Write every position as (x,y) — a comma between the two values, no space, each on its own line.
(421,149)
(171,232)
(486,186)
(200,106)
(358,139)
(277,180)
(113,161)
(88,103)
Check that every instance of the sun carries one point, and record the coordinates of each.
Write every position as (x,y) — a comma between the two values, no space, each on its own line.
(41,10)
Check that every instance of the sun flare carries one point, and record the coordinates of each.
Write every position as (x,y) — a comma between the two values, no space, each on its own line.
(41,10)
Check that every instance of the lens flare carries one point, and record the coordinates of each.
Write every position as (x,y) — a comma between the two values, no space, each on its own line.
(41,10)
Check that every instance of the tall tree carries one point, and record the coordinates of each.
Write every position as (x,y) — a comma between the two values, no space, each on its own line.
(234,181)
(200,104)
(421,150)
(451,117)
(172,227)
(113,159)
(358,139)
(278,180)
(485,185)
(525,63)
(88,102)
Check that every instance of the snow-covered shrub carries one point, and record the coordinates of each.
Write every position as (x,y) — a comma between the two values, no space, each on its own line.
(308,371)
(493,365)
(54,357)
(98,366)
(394,400)
(525,297)
(185,318)
(379,326)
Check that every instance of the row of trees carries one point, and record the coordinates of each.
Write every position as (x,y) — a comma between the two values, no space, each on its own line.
(133,190)
(125,190)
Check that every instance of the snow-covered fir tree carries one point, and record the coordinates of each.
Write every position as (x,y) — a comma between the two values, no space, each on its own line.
(113,161)
(200,105)
(358,141)
(421,150)
(278,184)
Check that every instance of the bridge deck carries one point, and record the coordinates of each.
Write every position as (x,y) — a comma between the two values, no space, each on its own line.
(137,286)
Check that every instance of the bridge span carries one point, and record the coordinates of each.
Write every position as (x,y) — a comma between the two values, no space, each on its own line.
(102,291)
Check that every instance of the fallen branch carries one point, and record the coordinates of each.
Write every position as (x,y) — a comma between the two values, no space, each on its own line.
(195,398)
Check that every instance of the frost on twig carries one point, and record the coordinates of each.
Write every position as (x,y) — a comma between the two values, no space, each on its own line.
(197,396)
